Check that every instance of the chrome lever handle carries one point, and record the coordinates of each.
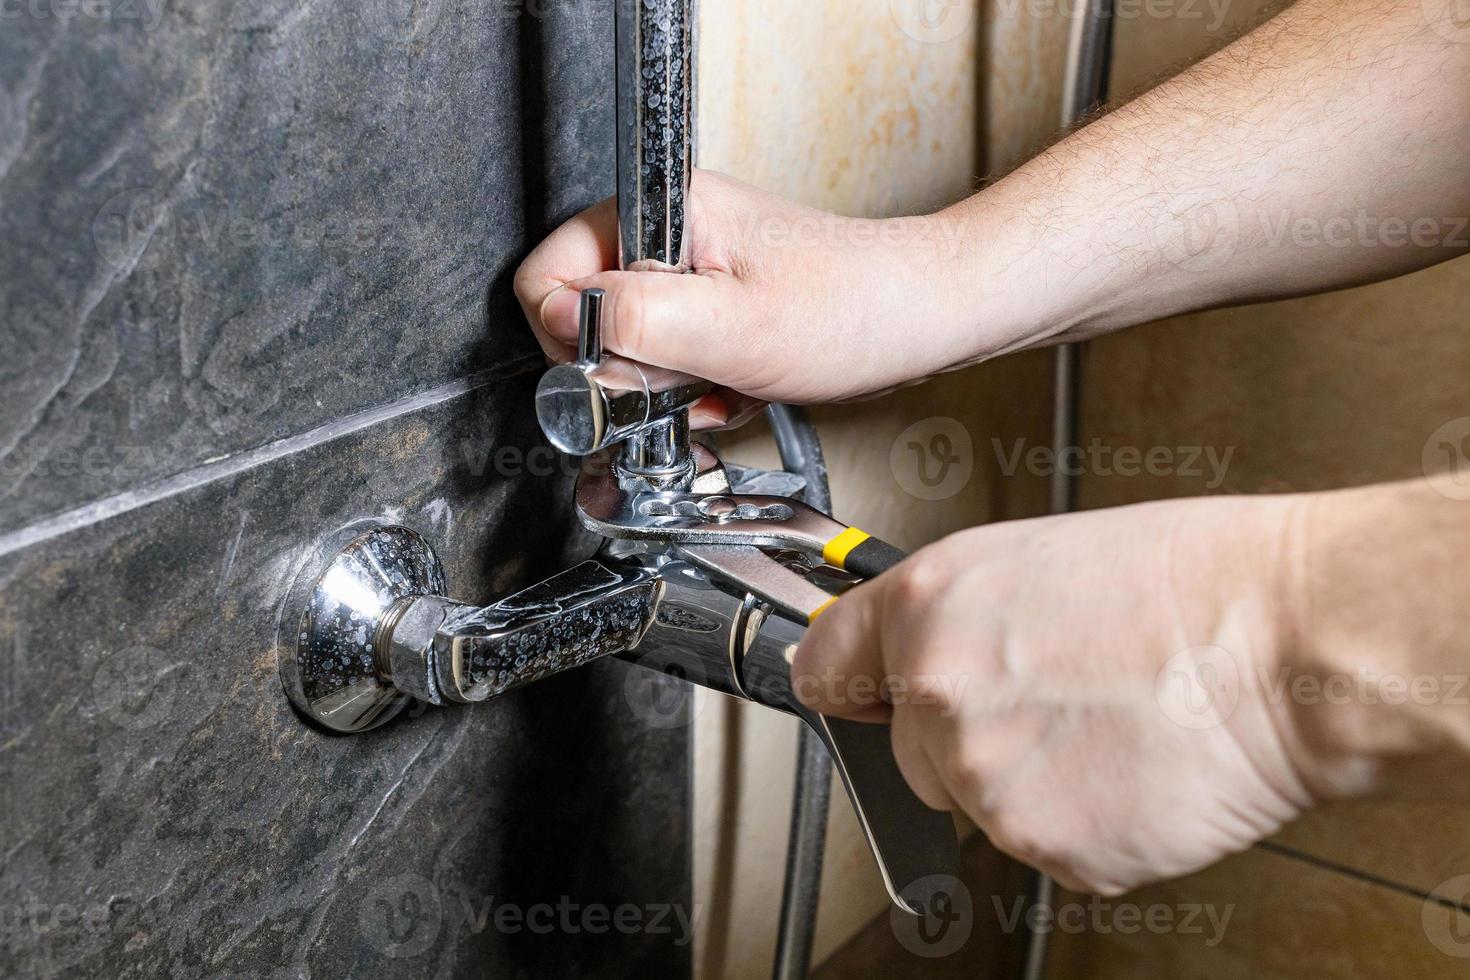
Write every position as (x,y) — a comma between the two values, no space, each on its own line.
(599,401)
(917,851)
(589,328)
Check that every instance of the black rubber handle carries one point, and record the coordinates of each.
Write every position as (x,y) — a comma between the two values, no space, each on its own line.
(872,558)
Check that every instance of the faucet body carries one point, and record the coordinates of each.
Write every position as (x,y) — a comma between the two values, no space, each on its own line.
(377,634)
(709,572)
(714,586)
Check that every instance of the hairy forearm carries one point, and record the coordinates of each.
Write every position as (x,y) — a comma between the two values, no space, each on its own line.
(1328,148)
(1374,686)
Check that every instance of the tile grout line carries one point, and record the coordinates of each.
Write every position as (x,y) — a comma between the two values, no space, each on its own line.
(121,503)
(1367,877)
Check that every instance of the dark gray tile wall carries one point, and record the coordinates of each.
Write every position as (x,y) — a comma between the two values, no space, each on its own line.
(162,810)
(222,224)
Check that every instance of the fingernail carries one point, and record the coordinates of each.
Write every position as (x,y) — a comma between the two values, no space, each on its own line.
(709,412)
(559,313)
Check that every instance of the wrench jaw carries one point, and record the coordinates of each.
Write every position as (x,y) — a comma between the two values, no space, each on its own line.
(720,531)
(746,569)
(714,517)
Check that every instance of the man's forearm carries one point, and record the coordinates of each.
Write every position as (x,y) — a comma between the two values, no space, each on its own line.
(1374,684)
(1328,148)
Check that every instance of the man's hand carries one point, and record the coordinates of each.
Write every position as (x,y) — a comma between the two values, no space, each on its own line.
(1325,149)
(787,303)
(1123,696)
(1087,688)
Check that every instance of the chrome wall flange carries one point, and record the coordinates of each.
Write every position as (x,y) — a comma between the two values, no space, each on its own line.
(330,637)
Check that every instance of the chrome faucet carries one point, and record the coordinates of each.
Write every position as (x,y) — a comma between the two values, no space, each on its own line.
(709,571)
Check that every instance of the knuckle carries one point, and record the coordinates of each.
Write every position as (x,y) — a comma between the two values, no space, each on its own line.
(531,282)
(915,584)
(1015,832)
(933,686)
(969,767)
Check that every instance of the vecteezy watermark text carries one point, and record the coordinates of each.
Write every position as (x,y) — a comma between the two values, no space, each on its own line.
(66,463)
(1098,459)
(941,235)
(1212,12)
(146,13)
(949,918)
(1200,230)
(32,920)
(1364,229)
(1200,688)
(140,228)
(833,687)
(405,915)
(1103,917)
(1367,687)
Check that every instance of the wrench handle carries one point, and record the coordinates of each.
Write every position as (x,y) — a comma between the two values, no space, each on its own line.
(861,554)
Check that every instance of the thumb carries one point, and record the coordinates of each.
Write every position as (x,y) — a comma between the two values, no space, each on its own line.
(839,667)
(688,323)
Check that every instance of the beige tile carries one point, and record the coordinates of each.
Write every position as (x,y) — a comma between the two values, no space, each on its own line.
(1289,920)
(1154,40)
(1419,845)
(1331,391)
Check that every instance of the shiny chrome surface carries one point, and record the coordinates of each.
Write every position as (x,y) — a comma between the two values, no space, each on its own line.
(330,651)
(589,326)
(655,109)
(656,97)
(613,511)
(749,569)
(659,452)
(682,585)
(375,631)
(600,401)
(710,637)
(581,615)
(913,845)
(584,409)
